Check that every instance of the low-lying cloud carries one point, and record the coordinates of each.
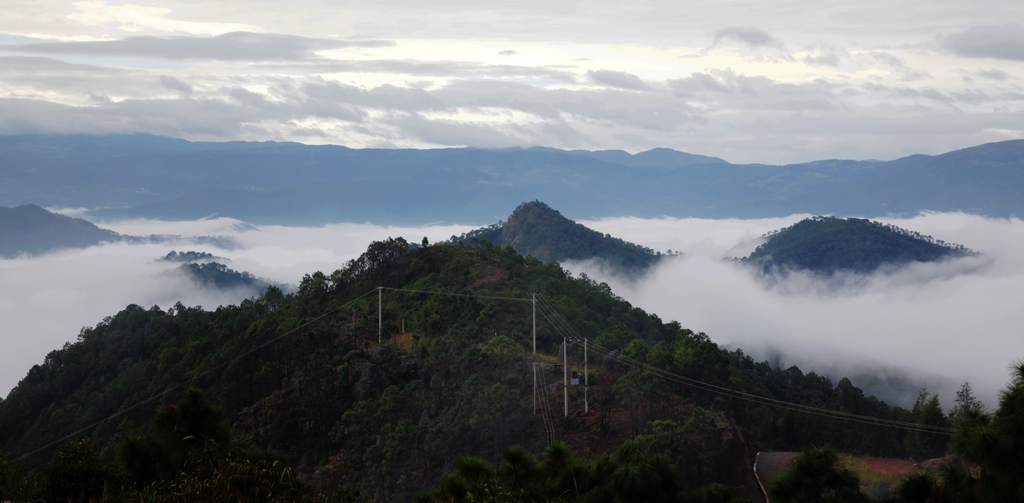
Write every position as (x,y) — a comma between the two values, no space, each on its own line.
(936,324)
(893,331)
(46,300)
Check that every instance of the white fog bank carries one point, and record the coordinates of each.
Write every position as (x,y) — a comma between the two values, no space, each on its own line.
(935,324)
(940,324)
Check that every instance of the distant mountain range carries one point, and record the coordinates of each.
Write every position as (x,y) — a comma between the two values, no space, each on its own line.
(537,229)
(827,245)
(30,230)
(295,184)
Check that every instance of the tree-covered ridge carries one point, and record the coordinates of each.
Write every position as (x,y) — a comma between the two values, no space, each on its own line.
(29,229)
(830,244)
(313,184)
(536,229)
(219,276)
(188,256)
(302,374)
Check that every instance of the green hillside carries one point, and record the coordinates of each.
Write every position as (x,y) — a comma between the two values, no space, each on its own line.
(536,229)
(301,378)
(829,244)
(29,229)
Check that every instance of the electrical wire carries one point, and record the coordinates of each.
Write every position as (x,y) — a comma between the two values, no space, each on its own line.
(453,294)
(193,378)
(563,328)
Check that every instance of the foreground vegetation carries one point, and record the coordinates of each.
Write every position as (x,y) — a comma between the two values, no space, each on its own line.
(313,407)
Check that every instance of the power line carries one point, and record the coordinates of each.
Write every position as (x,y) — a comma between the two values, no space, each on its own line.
(560,325)
(567,331)
(453,294)
(193,378)
(564,329)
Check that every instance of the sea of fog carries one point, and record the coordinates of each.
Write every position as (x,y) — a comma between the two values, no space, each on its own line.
(892,332)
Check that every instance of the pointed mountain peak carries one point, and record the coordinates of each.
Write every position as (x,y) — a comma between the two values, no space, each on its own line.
(535,228)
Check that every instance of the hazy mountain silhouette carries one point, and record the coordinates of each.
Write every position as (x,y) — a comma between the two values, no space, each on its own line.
(291,183)
(29,229)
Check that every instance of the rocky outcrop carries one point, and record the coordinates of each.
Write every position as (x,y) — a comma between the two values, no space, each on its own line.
(369,369)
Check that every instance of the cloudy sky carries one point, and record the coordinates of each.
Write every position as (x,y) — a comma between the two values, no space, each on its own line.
(750,81)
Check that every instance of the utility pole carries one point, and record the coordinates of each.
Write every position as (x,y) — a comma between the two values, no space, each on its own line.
(380,298)
(586,379)
(565,375)
(535,324)
(535,354)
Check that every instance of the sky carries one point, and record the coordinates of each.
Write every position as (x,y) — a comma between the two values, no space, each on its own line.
(772,81)
(934,325)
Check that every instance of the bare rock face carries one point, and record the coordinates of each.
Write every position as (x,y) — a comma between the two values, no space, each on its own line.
(368,376)
(369,369)
(412,367)
(381,354)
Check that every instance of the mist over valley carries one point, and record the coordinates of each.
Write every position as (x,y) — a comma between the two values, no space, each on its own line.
(511,252)
(892,330)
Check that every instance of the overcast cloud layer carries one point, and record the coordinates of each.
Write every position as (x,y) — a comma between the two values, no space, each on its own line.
(774,81)
(929,324)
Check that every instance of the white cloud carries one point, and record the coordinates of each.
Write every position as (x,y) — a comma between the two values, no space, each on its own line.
(137,18)
(749,35)
(46,300)
(940,324)
(805,85)
(934,324)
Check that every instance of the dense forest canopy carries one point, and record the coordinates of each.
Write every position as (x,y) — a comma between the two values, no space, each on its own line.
(188,256)
(537,229)
(219,276)
(830,244)
(301,376)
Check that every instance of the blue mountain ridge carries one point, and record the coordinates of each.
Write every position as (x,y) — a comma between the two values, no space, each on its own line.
(131,176)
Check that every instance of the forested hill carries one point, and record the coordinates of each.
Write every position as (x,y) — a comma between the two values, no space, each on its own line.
(829,244)
(537,229)
(29,229)
(302,375)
